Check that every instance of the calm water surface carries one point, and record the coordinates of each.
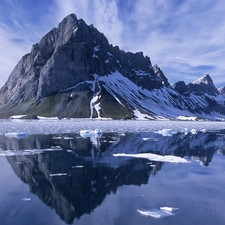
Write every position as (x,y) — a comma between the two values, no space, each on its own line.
(50,174)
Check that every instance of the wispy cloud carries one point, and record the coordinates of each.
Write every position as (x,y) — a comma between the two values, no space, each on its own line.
(20,28)
(185,38)
(181,36)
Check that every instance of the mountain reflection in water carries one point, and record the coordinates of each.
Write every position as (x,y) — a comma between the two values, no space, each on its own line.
(76,176)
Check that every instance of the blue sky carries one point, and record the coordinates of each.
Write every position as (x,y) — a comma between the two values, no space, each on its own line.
(184,37)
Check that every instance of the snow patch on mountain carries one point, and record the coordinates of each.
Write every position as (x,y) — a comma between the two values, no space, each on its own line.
(204,79)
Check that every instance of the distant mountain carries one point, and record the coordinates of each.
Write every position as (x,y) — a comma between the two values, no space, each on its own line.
(74,72)
(222,91)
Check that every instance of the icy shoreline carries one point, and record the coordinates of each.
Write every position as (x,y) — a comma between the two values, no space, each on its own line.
(53,126)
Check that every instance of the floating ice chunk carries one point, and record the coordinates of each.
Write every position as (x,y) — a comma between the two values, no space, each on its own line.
(25,199)
(146,139)
(193,131)
(186,131)
(166,132)
(169,209)
(154,157)
(155,213)
(159,213)
(91,133)
(58,174)
(16,135)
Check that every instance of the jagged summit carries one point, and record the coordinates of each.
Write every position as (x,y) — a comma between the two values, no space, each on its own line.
(203,85)
(206,79)
(67,55)
(74,72)
(222,90)
(181,88)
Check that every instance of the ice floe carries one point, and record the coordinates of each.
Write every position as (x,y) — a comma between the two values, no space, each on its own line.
(91,133)
(159,213)
(169,209)
(167,132)
(154,157)
(16,135)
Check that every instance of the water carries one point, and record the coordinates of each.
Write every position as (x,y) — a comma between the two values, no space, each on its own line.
(52,175)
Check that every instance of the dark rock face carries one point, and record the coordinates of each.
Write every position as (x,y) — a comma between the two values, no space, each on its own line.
(181,88)
(74,72)
(158,72)
(65,56)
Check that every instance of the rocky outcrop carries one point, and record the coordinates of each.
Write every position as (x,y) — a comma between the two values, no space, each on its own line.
(181,88)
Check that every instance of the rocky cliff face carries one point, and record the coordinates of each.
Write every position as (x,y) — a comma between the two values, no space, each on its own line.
(67,55)
(74,72)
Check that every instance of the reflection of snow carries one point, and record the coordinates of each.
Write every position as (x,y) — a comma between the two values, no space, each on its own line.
(25,199)
(94,135)
(28,151)
(154,157)
(159,213)
(58,174)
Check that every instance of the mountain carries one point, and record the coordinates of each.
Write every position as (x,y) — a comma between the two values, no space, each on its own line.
(74,72)
(222,91)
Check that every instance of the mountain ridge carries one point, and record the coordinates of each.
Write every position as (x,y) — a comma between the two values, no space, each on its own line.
(74,72)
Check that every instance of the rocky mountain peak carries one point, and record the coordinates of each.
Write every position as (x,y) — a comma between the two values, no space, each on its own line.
(158,72)
(222,90)
(206,79)
(74,72)
(181,88)
(203,85)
